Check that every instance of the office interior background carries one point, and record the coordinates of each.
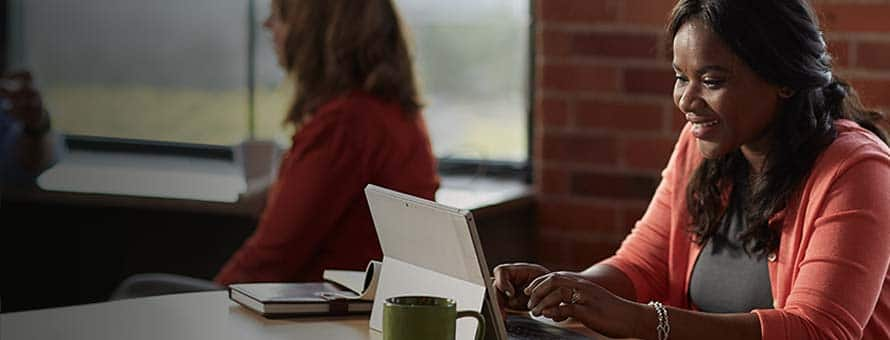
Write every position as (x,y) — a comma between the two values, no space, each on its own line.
(571,97)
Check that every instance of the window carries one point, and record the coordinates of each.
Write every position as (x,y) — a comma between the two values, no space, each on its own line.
(167,70)
(183,71)
(473,62)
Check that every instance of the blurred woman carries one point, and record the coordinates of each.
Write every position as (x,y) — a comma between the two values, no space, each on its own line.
(358,111)
(771,220)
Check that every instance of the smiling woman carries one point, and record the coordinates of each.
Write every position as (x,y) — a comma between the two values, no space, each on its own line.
(727,103)
(771,219)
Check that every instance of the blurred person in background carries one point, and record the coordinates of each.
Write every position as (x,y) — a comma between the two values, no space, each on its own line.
(357,110)
(27,143)
(357,106)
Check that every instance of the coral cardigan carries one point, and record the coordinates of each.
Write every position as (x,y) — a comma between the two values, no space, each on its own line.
(829,274)
(316,215)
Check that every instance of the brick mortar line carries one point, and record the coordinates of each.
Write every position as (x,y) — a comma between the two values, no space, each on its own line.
(583,131)
(611,27)
(864,74)
(607,96)
(662,36)
(835,2)
(582,168)
(575,131)
(606,132)
(648,63)
(615,203)
(654,65)
(849,36)
(589,236)
(619,98)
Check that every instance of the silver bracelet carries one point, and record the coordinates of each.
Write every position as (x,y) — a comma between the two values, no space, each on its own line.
(664,323)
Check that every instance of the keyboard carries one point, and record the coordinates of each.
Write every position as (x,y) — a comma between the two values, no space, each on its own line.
(522,328)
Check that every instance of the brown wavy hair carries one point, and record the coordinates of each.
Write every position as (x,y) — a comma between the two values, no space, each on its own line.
(782,42)
(334,47)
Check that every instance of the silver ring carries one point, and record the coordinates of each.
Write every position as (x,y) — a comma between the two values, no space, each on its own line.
(576,296)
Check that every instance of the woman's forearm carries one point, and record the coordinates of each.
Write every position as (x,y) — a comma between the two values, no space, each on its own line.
(607,307)
(611,279)
(686,324)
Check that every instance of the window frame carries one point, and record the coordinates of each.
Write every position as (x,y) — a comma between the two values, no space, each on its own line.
(4,34)
(447,166)
(506,169)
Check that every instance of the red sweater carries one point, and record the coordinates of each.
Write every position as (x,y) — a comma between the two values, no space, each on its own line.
(316,215)
(829,275)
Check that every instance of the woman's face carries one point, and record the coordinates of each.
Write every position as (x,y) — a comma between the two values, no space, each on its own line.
(278,27)
(728,105)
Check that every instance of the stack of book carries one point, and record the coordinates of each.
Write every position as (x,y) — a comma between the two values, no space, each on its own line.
(343,292)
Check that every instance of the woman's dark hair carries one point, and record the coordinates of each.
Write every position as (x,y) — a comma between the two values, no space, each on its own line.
(337,46)
(781,41)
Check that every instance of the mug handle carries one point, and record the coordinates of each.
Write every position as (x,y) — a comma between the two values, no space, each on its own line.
(480,329)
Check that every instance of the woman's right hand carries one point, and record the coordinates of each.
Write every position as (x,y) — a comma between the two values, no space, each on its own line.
(510,281)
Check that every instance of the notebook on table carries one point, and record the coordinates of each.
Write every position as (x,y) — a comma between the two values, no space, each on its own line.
(434,249)
(344,292)
(283,300)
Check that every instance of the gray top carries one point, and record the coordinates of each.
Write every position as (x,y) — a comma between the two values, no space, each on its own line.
(725,278)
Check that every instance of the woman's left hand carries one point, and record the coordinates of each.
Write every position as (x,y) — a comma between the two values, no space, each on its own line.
(561,295)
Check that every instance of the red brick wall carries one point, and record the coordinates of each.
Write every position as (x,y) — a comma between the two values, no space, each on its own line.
(605,123)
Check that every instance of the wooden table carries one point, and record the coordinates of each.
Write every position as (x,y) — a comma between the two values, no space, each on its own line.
(195,316)
(209,315)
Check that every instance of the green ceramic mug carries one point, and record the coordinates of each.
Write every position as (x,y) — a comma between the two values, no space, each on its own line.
(424,317)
